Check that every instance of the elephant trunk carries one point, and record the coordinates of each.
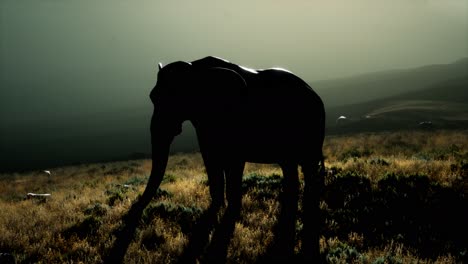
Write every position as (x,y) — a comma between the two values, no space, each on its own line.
(160,148)
(161,141)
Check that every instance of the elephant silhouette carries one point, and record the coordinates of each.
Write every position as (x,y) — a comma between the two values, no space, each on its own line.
(243,115)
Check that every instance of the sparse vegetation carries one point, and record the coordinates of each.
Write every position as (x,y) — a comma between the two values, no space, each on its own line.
(390,198)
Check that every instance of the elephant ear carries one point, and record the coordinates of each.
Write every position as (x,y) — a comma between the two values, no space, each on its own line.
(221,89)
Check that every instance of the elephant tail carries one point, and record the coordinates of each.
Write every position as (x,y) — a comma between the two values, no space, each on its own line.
(322,166)
(322,138)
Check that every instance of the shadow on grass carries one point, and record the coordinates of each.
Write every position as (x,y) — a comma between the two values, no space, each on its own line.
(425,216)
(218,248)
(126,232)
(199,237)
(124,235)
(197,225)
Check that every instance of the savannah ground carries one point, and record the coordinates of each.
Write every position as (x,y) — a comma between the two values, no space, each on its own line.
(397,197)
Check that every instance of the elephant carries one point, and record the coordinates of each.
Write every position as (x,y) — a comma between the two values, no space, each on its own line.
(243,115)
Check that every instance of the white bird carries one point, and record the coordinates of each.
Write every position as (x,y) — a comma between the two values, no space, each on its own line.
(341,120)
(30,195)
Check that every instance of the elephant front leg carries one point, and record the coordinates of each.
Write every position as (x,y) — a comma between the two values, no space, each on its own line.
(210,149)
(234,187)
(216,183)
(215,173)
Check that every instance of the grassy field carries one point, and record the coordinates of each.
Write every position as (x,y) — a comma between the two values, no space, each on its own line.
(396,197)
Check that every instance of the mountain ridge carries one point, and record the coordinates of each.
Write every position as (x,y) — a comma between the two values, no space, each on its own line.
(370,86)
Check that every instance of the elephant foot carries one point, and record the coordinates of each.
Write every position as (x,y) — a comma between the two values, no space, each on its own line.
(217,205)
(309,257)
(276,253)
(233,212)
(311,250)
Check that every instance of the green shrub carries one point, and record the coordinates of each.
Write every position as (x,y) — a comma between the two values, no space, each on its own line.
(117,193)
(137,180)
(379,161)
(183,215)
(343,252)
(354,153)
(169,178)
(150,239)
(96,209)
(262,187)
(89,226)
(387,259)
(114,197)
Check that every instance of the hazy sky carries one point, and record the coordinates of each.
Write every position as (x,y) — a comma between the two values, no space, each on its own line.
(110,48)
(75,75)
(318,39)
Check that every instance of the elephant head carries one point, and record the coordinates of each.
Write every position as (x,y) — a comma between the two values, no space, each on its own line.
(184,92)
(170,98)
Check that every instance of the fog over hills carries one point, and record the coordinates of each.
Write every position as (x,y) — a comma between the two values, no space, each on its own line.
(370,86)
(415,95)
(442,105)
(396,99)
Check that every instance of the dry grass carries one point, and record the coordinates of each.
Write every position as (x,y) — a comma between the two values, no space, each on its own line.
(422,152)
(88,201)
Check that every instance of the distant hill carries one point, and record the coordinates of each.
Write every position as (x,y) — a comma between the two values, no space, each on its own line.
(441,105)
(372,86)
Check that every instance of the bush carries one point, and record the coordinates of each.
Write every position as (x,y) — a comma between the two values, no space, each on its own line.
(354,153)
(343,252)
(262,187)
(136,181)
(115,196)
(184,216)
(97,209)
(387,259)
(379,161)
(150,239)
(169,178)
(89,226)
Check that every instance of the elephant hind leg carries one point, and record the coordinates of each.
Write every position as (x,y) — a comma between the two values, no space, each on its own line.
(312,218)
(285,230)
